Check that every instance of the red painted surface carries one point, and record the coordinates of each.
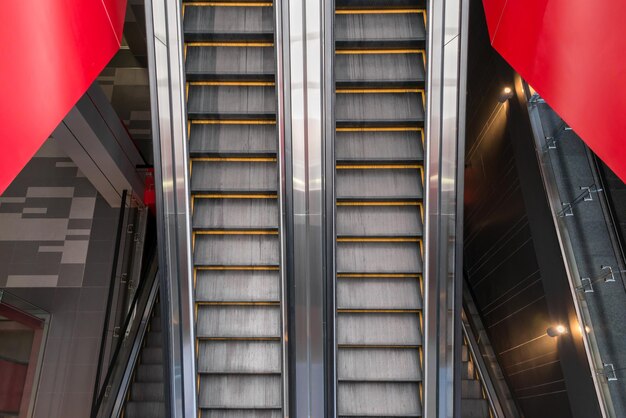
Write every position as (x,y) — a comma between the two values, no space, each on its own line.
(51,53)
(572,53)
(12,380)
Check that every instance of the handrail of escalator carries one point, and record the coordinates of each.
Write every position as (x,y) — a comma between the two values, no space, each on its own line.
(110,397)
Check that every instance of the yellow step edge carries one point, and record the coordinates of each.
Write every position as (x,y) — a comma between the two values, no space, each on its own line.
(234,196)
(379,239)
(377,166)
(238,338)
(379,91)
(235,232)
(234,159)
(348,310)
(236,268)
(380,129)
(378,11)
(230,44)
(379,51)
(224,303)
(383,275)
(227,4)
(232,83)
(231,122)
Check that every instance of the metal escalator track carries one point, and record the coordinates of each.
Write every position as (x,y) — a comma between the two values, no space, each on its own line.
(231,107)
(379,155)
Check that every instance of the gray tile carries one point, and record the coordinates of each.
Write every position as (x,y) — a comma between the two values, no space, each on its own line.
(79,224)
(97,274)
(11,207)
(48,405)
(82,207)
(55,208)
(50,192)
(31,280)
(51,259)
(66,300)
(104,229)
(62,325)
(25,252)
(35,211)
(15,228)
(75,252)
(6,251)
(83,187)
(30,268)
(77,238)
(103,210)
(93,299)
(88,324)
(85,350)
(76,404)
(71,275)
(79,379)
(100,251)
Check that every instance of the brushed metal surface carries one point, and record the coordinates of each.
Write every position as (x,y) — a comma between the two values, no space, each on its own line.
(237,286)
(399,145)
(228,21)
(235,213)
(367,107)
(378,293)
(379,68)
(393,364)
(378,329)
(232,138)
(378,220)
(239,391)
(227,101)
(238,321)
(246,357)
(376,27)
(379,257)
(387,182)
(230,62)
(234,176)
(236,250)
(378,399)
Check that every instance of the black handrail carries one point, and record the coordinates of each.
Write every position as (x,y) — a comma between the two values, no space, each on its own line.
(107,314)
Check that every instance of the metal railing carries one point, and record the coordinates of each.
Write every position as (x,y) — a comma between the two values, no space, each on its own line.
(566,203)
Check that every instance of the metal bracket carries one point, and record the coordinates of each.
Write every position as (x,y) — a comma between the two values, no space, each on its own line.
(123,278)
(586,285)
(107,391)
(610,277)
(609,372)
(568,210)
(130,228)
(550,142)
(132,285)
(116,332)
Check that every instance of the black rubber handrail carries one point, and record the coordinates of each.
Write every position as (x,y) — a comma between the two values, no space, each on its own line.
(107,314)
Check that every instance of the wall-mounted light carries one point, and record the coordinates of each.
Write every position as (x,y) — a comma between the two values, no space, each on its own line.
(505,95)
(556,330)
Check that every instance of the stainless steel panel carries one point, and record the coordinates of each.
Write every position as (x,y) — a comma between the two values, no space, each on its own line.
(378,329)
(382,364)
(387,182)
(262,357)
(167,94)
(378,220)
(236,250)
(376,27)
(241,413)
(230,62)
(234,176)
(232,138)
(378,293)
(379,68)
(373,107)
(237,286)
(379,257)
(238,321)
(228,21)
(239,391)
(378,399)
(235,213)
(445,119)
(231,101)
(379,145)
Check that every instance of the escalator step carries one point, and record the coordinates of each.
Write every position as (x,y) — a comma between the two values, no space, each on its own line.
(205,23)
(231,101)
(219,138)
(379,257)
(261,357)
(144,410)
(207,62)
(238,286)
(252,321)
(147,392)
(378,293)
(354,69)
(386,183)
(237,250)
(238,392)
(383,364)
(235,213)
(237,176)
(378,399)
(397,29)
(379,145)
(377,220)
(151,355)
(396,106)
(149,373)
(385,329)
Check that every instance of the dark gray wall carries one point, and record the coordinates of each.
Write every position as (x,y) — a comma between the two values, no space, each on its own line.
(73,293)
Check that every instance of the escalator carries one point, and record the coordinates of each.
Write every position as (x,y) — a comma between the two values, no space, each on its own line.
(379,155)
(231,106)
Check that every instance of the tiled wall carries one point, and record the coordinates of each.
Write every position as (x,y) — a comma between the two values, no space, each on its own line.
(57,238)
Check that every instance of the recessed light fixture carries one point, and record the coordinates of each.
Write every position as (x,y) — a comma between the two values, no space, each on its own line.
(556,330)
(506,94)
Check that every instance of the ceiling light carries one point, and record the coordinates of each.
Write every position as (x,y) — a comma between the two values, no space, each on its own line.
(505,95)
(556,330)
